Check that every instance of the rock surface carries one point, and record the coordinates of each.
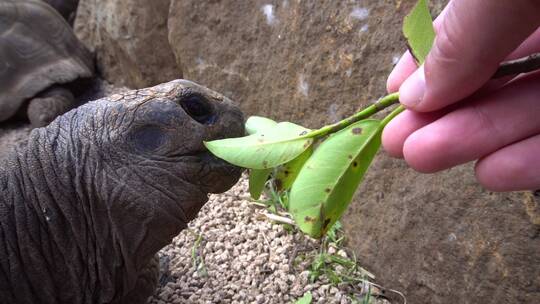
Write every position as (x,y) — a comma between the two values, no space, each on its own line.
(443,239)
(309,61)
(439,238)
(129,38)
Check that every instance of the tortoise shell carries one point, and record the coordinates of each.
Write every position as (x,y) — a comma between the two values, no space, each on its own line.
(37,50)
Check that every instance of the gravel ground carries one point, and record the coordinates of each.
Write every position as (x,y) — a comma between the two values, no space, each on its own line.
(247,259)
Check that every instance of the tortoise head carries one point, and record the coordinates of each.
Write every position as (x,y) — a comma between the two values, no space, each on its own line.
(140,156)
(165,133)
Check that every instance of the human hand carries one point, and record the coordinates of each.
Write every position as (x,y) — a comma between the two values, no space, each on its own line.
(445,124)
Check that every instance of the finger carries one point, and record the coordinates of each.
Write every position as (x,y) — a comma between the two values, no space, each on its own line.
(530,46)
(512,168)
(403,125)
(403,69)
(477,128)
(473,38)
(406,65)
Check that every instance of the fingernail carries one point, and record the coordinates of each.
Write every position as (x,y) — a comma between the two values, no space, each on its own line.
(412,90)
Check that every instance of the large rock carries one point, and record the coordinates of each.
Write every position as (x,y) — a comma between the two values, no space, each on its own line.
(438,238)
(443,239)
(309,61)
(129,38)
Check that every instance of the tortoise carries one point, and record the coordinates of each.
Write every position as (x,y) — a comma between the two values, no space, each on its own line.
(87,203)
(39,58)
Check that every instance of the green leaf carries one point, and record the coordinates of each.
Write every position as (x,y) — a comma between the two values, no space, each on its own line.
(256,124)
(306,299)
(327,182)
(265,149)
(257,181)
(286,174)
(258,178)
(418,30)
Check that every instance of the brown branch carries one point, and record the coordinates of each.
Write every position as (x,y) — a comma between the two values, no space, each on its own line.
(521,65)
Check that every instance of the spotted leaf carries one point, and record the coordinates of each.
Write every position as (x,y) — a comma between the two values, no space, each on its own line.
(257,181)
(286,174)
(327,182)
(265,149)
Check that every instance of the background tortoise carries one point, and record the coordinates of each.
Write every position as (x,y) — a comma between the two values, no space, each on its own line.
(66,8)
(39,55)
(88,202)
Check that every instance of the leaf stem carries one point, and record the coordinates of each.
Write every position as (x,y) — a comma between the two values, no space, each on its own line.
(381,104)
(391,116)
(508,68)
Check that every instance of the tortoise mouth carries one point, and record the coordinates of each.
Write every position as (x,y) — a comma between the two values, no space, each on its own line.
(216,162)
(218,175)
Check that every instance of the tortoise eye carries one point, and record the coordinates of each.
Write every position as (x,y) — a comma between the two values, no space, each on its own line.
(149,138)
(198,108)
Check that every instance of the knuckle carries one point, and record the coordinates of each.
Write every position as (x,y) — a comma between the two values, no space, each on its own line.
(447,48)
(480,115)
(488,125)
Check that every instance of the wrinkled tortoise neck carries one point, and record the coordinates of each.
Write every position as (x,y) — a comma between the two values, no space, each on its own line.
(57,228)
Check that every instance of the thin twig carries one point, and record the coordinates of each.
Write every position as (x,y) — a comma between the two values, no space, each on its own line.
(381,104)
(279,219)
(294,254)
(391,290)
(518,66)
(382,288)
(257,204)
(266,241)
(513,67)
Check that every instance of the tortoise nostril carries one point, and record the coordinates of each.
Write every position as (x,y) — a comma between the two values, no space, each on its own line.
(198,108)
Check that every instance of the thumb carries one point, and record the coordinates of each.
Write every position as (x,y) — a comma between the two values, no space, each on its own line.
(472,40)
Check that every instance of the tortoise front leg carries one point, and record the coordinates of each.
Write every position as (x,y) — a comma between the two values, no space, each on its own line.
(48,105)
